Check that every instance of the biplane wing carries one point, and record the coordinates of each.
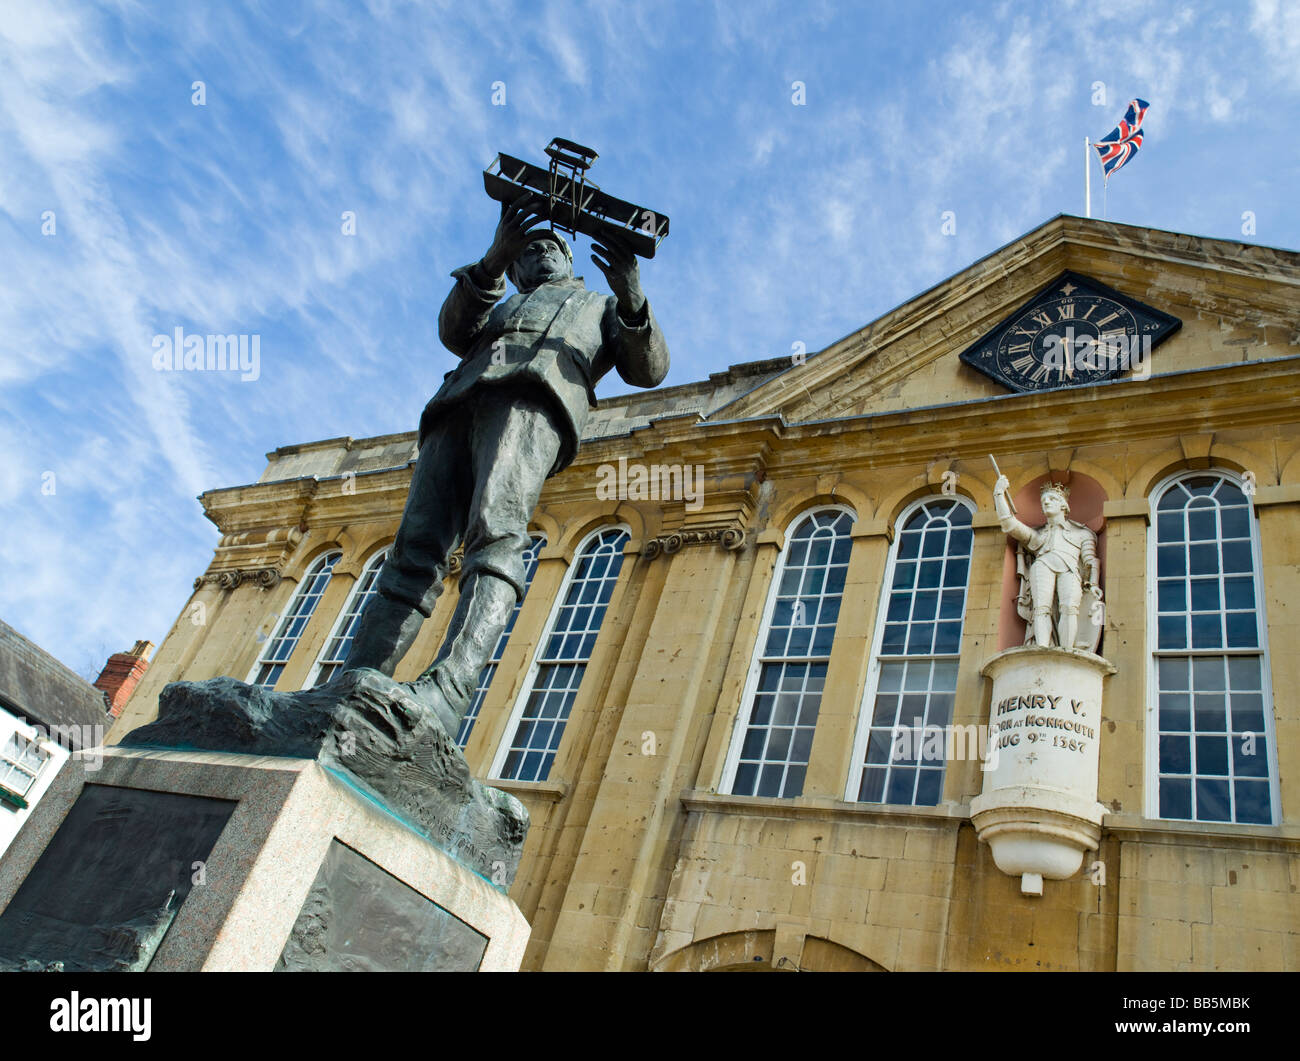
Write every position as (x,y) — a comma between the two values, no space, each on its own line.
(573,204)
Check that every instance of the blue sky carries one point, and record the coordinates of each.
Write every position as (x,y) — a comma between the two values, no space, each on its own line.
(790,223)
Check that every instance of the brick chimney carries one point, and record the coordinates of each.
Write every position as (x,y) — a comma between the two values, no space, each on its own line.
(121,674)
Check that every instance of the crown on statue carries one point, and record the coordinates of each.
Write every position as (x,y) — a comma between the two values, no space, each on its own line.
(1060,489)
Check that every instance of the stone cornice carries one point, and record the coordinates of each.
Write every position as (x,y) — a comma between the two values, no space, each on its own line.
(242,508)
(259,507)
(1251,261)
(344,442)
(729,440)
(739,454)
(1244,394)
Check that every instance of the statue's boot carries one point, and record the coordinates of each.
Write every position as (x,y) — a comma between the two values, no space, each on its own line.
(386,631)
(481,615)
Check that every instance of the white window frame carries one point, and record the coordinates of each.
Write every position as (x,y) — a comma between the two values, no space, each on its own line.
(1151,774)
(376,558)
(7,764)
(867,707)
(740,727)
(530,676)
(299,590)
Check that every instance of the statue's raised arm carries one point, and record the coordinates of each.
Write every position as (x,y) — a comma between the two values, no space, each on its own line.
(1010,525)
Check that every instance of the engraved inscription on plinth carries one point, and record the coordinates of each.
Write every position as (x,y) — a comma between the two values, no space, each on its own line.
(1039,811)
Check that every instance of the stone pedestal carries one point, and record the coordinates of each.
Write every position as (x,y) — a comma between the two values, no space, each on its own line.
(1039,811)
(197,860)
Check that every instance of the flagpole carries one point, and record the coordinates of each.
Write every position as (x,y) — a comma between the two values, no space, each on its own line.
(1087,177)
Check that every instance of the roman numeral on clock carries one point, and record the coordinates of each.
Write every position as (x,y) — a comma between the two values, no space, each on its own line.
(1019,353)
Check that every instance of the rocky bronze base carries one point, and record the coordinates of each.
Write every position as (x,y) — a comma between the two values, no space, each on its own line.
(382,735)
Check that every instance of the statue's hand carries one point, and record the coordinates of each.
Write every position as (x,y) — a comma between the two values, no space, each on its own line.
(616,260)
(1001,486)
(514,232)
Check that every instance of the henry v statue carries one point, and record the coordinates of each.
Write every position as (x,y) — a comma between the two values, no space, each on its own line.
(1057,564)
(507,418)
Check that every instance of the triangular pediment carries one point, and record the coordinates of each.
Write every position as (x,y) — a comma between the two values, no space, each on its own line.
(1234,301)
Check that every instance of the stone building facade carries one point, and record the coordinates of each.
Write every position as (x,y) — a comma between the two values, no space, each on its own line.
(737,597)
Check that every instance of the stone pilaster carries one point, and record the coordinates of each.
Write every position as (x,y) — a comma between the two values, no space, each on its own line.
(636,818)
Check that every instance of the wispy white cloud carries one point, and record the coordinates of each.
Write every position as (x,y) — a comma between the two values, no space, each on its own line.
(1276,25)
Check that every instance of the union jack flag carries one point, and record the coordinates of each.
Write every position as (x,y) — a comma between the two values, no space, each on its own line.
(1123,142)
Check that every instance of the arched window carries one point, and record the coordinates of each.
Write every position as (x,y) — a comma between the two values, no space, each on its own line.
(899,754)
(490,668)
(538,721)
(339,643)
(270,663)
(783,693)
(1212,738)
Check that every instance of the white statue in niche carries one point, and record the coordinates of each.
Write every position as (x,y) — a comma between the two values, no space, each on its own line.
(1057,565)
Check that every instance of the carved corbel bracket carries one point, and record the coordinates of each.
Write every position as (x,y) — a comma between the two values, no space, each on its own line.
(266,577)
(730,538)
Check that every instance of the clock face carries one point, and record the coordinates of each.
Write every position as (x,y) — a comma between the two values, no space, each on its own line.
(1073,333)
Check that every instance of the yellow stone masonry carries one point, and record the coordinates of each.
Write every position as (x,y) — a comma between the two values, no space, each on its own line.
(637,858)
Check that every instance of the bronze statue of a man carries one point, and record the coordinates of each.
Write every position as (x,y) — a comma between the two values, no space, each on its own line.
(1064,565)
(506,419)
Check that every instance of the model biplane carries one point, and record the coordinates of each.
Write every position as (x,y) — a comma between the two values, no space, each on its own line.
(572,203)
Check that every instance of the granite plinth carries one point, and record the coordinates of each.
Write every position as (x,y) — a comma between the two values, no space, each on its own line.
(300,855)
(379,734)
